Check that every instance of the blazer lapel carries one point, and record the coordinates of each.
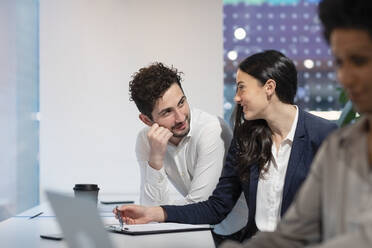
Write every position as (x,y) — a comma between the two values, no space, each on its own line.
(297,154)
(253,183)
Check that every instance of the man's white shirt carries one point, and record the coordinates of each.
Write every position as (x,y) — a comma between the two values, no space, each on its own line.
(193,166)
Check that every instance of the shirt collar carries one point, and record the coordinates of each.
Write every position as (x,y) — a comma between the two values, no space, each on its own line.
(191,124)
(354,131)
(291,134)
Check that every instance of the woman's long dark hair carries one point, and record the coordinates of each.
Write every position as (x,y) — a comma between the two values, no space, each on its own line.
(254,137)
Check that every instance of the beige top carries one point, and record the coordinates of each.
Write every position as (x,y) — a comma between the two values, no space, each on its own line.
(334,206)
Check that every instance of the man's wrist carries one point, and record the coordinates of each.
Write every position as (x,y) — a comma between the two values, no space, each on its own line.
(156,178)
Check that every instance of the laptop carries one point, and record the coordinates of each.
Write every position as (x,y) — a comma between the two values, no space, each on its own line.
(79,221)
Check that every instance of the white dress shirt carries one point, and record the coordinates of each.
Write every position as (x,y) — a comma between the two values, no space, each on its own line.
(193,167)
(270,188)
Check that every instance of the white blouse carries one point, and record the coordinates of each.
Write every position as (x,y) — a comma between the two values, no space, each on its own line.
(270,188)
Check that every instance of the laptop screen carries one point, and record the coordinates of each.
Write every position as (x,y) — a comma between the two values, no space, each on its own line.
(79,221)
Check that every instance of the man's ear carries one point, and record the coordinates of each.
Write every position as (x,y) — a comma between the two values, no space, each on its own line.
(146,120)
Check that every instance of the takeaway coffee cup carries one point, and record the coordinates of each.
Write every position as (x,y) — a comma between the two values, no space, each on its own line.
(87,191)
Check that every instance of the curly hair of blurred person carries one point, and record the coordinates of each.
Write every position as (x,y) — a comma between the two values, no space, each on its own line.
(346,15)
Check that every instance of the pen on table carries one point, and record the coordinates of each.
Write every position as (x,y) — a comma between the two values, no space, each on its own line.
(36,215)
(117,202)
(118,215)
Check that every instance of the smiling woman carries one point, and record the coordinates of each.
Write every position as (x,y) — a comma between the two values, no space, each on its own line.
(266,87)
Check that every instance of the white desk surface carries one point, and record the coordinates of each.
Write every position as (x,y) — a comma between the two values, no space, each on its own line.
(20,231)
(103,209)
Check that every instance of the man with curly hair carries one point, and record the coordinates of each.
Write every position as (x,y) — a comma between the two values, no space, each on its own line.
(180,146)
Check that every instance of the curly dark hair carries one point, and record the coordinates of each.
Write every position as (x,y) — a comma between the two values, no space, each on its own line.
(150,83)
(353,14)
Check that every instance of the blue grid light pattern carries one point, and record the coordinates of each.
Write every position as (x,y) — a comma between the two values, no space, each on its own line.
(289,26)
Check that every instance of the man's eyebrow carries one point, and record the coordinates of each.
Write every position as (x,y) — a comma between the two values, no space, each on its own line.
(170,108)
(165,110)
(182,99)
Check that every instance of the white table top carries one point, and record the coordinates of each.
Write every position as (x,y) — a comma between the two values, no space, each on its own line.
(21,231)
(103,209)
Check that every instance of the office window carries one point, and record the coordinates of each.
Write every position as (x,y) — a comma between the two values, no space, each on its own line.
(289,26)
(19,128)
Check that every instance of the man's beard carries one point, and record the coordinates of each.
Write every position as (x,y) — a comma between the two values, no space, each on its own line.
(186,132)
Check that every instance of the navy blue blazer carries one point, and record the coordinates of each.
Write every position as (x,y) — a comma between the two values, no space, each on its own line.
(310,133)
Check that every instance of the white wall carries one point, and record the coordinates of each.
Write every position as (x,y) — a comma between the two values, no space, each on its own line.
(88,50)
